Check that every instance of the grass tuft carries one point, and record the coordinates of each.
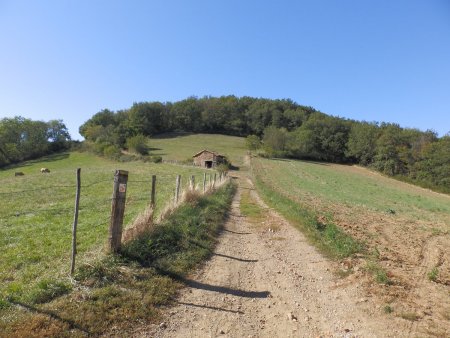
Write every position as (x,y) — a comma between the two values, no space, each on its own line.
(250,208)
(433,274)
(388,309)
(4,304)
(99,273)
(378,272)
(47,290)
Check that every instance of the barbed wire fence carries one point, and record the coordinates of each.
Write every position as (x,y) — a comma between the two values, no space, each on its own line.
(87,204)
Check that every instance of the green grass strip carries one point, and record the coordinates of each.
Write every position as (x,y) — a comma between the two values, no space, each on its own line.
(186,237)
(326,236)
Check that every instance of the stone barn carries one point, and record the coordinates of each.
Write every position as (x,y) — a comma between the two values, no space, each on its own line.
(208,159)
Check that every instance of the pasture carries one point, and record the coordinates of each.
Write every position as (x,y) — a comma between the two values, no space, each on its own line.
(36,213)
(182,146)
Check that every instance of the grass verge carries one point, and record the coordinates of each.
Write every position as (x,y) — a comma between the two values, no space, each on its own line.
(115,293)
(249,208)
(321,232)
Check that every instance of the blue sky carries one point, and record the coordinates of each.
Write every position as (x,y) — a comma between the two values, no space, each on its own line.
(368,60)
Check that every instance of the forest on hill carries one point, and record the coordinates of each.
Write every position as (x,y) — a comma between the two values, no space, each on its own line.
(23,139)
(283,128)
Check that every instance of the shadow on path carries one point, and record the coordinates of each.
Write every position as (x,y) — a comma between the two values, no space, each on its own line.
(229,291)
(211,307)
(237,233)
(225,256)
(235,258)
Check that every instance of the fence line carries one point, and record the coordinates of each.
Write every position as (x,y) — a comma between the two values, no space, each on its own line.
(115,219)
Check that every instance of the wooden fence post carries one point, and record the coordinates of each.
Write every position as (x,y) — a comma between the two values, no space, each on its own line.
(204,182)
(177,188)
(210,181)
(117,210)
(214,182)
(152,198)
(75,222)
(192,182)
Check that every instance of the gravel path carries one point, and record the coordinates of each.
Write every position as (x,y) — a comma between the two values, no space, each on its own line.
(271,283)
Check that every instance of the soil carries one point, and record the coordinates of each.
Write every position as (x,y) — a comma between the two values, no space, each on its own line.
(407,249)
(265,280)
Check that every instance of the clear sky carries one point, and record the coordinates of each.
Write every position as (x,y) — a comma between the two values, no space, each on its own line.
(374,60)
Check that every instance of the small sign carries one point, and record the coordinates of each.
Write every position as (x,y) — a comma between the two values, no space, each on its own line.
(122,187)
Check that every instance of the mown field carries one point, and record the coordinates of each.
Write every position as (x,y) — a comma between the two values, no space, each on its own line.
(353,186)
(404,230)
(36,214)
(182,146)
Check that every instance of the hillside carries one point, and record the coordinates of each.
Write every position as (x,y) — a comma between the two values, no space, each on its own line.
(284,128)
(182,146)
(404,229)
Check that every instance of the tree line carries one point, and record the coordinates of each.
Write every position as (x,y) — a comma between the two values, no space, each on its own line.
(279,128)
(420,157)
(282,128)
(22,139)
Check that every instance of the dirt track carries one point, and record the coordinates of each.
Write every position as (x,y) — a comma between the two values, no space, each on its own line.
(265,283)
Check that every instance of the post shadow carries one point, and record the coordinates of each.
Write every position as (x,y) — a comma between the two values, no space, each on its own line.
(229,291)
(71,323)
(211,307)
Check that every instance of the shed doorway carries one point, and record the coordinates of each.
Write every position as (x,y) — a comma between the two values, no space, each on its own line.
(208,164)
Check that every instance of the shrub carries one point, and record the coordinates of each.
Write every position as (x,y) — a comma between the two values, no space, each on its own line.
(111,151)
(156,159)
(223,168)
(137,144)
(252,142)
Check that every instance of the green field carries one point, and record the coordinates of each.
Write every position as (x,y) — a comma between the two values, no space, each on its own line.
(36,213)
(181,147)
(325,184)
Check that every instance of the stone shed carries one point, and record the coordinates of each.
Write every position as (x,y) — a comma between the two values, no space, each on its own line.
(208,159)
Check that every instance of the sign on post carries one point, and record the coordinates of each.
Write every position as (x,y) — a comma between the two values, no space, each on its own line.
(117,210)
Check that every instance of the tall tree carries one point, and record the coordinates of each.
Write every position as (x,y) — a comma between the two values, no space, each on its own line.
(362,142)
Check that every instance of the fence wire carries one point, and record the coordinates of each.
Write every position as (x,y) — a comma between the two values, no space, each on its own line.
(88,204)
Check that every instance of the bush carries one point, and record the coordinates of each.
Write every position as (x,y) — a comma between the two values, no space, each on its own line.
(137,144)
(252,142)
(111,151)
(156,159)
(223,168)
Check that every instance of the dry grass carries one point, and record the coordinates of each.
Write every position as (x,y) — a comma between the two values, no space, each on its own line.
(142,223)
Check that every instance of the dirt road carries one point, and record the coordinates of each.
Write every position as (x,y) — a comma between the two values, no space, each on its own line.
(265,280)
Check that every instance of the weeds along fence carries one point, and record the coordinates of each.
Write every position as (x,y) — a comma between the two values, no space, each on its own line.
(40,217)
